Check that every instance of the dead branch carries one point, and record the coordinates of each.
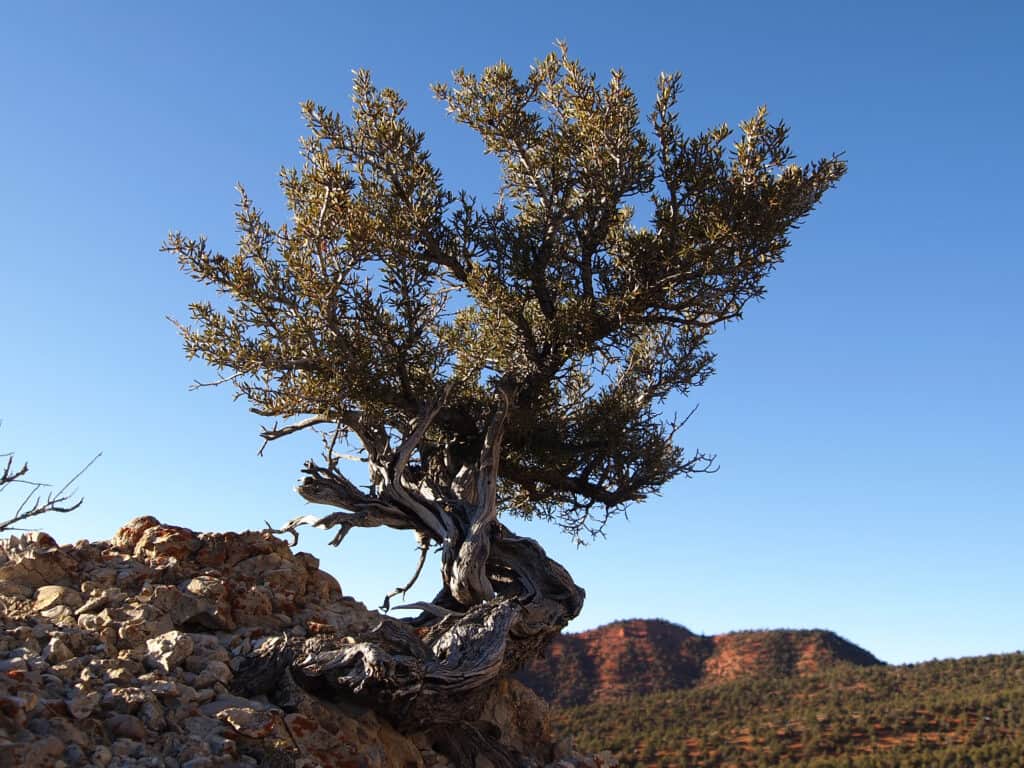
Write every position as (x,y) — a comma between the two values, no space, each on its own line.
(34,503)
(424,547)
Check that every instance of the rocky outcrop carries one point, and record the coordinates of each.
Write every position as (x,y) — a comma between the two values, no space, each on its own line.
(138,652)
(618,660)
(641,656)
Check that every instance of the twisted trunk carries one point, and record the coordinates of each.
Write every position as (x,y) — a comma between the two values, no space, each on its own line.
(502,599)
(438,670)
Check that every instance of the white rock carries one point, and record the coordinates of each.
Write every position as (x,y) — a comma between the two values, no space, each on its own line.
(53,594)
(167,651)
(56,651)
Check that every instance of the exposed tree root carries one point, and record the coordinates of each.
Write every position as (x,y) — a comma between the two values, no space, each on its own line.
(433,671)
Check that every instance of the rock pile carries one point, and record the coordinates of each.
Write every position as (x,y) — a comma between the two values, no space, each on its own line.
(123,653)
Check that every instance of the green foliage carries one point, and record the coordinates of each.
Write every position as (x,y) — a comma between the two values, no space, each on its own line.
(963,713)
(387,292)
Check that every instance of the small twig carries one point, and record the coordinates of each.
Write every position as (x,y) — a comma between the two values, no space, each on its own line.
(275,432)
(33,504)
(424,547)
(286,529)
(323,209)
(343,530)
(80,472)
(200,384)
(349,457)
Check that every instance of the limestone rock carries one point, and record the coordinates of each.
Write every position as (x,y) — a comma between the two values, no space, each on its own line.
(54,595)
(37,568)
(168,650)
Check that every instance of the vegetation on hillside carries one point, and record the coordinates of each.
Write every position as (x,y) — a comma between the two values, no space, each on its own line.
(963,713)
(643,656)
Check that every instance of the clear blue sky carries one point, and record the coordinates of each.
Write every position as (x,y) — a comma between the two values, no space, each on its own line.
(867,416)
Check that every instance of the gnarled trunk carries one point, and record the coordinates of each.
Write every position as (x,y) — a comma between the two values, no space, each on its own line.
(435,672)
(502,599)
(437,669)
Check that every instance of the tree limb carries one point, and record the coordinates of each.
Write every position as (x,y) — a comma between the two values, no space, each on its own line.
(33,504)
(424,547)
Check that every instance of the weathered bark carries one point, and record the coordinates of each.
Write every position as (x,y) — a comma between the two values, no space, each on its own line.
(429,670)
(501,602)
(436,672)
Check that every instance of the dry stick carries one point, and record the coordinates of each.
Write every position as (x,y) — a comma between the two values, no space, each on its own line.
(9,477)
(53,500)
(275,432)
(424,546)
(197,384)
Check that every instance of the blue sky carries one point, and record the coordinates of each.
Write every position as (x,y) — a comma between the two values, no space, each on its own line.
(867,416)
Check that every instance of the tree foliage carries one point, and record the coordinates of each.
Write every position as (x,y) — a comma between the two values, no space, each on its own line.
(521,350)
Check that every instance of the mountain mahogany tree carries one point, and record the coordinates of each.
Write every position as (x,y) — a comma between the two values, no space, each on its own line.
(492,359)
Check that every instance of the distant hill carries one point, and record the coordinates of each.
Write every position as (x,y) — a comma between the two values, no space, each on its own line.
(958,713)
(643,656)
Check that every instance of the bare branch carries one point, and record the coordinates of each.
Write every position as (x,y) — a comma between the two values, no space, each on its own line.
(424,547)
(10,476)
(33,504)
(275,432)
(224,380)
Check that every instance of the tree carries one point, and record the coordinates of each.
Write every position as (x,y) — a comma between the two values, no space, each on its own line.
(497,359)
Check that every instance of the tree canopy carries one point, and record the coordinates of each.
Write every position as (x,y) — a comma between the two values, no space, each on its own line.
(522,348)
